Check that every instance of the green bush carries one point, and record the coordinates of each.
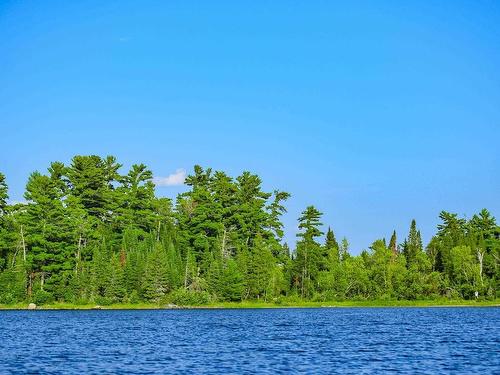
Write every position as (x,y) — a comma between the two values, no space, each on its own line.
(292,299)
(278,300)
(103,301)
(81,301)
(12,286)
(184,297)
(7,298)
(134,297)
(42,297)
(326,296)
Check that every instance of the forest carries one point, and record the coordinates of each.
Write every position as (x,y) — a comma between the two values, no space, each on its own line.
(87,233)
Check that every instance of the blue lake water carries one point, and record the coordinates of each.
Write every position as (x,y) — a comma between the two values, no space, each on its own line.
(346,340)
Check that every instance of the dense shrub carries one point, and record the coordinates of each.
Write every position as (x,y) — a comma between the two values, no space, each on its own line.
(7,298)
(134,297)
(104,301)
(184,297)
(42,297)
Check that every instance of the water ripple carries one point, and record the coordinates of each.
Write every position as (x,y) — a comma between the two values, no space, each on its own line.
(275,341)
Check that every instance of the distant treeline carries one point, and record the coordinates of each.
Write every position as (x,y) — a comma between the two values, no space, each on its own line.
(89,234)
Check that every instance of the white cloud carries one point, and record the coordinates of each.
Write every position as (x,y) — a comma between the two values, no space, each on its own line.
(175,179)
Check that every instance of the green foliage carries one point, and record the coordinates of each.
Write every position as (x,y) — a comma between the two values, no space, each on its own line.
(12,285)
(89,234)
(412,246)
(225,280)
(42,297)
(393,244)
(134,297)
(155,282)
(185,297)
(308,261)
(103,301)
(3,194)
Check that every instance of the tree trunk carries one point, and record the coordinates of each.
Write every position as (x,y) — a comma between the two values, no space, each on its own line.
(480,257)
(30,284)
(24,244)
(77,256)
(223,245)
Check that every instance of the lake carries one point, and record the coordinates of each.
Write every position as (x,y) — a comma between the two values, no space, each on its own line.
(267,341)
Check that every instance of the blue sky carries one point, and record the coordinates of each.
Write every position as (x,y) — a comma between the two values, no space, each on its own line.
(376,114)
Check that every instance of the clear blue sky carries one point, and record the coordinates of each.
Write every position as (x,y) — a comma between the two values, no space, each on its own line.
(376,114)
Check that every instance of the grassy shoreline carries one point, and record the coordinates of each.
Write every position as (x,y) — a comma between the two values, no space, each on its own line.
(262,305)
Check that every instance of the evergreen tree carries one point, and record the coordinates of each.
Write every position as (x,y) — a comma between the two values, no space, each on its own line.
(308,258)
(276,210)
(50,251)
(231,282)
(156,275)
(3,194)
(413,245)
(260,270)
(92,182)
(135,199)
(116,290)
(192,279)
(89,234)
(330,250)
(393,244)
(344,249)
(3,225)
(331,242)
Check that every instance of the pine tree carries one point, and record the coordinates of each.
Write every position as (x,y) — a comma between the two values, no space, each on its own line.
(330,250)
(393,244)
(344,249)
(192,280)
(89,234)
(412,247)
(91,179)
(116,290)
(135,198)
(276,210)
(331,242)
(3,194)
(50,251)
(260,269)
(231,282)
(133,272)
(174,267)
(101,270)
(308,258)
(4,234)
(156,275)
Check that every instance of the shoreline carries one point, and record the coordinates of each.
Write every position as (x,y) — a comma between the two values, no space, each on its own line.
(262,305)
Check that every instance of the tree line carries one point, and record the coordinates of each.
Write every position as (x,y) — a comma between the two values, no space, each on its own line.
(89,234)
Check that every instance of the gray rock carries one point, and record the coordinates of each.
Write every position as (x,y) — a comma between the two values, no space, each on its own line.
(172,306)
(31,306)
